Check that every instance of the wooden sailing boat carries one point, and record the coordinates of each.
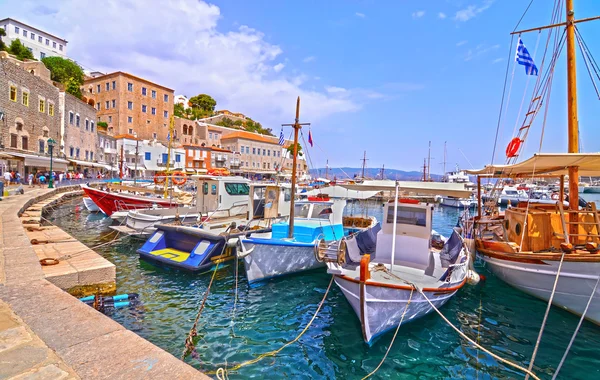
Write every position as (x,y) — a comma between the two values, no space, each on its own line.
(545,250)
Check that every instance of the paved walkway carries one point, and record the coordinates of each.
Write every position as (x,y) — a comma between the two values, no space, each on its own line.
(45,333)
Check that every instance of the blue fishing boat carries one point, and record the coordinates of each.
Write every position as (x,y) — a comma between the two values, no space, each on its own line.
(188,248)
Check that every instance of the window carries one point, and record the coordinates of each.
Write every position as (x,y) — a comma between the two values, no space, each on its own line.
(87,155)
(143,108)
(42,146)
(114,103)
(165,157)
(77,152)
(131,131)
(269,152)
(42,55)
(144,91)
(110,119)
(210,135)
(40,39)
(32,35)
(92,126)
(25,99)
(107,103)
(24,33)
(166,98)
(98,89)
(153,94)
(54,44)
(17,29)
(253,150)
(129,86)
(71,118)
(13,93)
(87,125)
(47,42)
(166,114)
(264,151)
(91,156)
(406,215)
(153,111)
(98,106)
(24,143)
(114,85)
(77,120)
(71,150)
(107,86)
(42,105)
(60,47)
(246,163)
(178,158)
(130,105)
(237,189)
(13,140)
(50,109)
(129,119)
(253,164)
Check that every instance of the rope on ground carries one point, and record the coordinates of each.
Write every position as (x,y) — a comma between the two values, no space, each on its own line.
(394,337)
(562,361)
(223,371)
(189,341)
(464,336)
(539,338)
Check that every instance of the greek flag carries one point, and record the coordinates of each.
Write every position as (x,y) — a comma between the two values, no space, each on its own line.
(523,58)
(281,138)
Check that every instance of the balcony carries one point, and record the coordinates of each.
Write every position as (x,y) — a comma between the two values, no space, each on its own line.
(235,163)
(110,150)
(220,157)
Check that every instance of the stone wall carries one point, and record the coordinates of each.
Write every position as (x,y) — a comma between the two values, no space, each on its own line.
(79,138)
(24,118)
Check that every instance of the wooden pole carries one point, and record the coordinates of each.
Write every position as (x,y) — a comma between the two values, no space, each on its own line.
(171,130)
(573,124)
(561,196)
(479,197)
(296,127)
(121,166)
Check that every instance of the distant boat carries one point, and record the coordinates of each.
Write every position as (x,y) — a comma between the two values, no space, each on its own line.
(458,202)
(591,189)
(90,205)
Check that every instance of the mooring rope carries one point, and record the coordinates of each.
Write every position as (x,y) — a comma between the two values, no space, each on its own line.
(222,372)
(394,337)
(189,341)
(464,336)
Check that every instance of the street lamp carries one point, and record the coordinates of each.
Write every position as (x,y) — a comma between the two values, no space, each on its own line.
(51,143)
(137,144)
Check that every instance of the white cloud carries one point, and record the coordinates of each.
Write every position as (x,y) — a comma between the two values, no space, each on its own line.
(442,15)
(461,43)
(498,60)
(361,15)
(182,48)
(418,14)
(480,50)
(472,10)
(335,90)
(309,59)
(278,67)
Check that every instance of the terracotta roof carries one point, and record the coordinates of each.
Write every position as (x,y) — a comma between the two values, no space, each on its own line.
(220,149)
(250,136)
(127,136)
(215,129)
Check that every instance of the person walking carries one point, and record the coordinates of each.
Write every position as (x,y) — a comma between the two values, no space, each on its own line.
(30,179)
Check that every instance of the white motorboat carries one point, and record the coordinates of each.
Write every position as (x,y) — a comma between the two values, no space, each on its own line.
(390,271)
(458,202)
(90,205)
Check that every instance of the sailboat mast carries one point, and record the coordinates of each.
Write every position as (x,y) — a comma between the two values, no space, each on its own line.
(171,130)
(296,127)
(429,163)
(364,164)
(573,123)
(444,158)
(327,170)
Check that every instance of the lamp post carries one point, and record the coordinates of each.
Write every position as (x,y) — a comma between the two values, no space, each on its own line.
(137,145)
(51,143)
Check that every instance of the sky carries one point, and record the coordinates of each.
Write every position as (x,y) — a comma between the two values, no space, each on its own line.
(385,77)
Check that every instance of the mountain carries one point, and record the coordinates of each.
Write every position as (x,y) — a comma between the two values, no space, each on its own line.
(374,173)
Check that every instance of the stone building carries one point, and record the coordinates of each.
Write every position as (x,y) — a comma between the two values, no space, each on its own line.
(131,104)
(79,134)
(107,150)
(41,44)
(29,115)
(186,131)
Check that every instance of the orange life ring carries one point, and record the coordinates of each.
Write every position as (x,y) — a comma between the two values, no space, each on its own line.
(513,147)
(159,178)
(179,178)
(555,196)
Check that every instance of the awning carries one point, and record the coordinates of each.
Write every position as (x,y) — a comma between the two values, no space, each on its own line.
(544,165)
(88,164)
(58,164)
(426,188)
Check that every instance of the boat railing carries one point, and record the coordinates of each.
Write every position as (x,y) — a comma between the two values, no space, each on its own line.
(584,220)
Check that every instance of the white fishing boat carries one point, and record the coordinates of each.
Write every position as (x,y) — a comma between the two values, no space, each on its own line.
(453,202)
(90,205)
(392,270)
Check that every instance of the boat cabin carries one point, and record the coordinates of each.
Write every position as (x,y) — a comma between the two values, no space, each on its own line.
(269,201)
(222,193)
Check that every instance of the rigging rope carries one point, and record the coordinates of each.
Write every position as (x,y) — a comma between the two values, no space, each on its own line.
(394,337)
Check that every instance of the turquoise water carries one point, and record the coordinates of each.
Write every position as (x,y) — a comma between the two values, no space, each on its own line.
(504,320)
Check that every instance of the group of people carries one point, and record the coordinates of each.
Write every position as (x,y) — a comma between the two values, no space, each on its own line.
(40,177)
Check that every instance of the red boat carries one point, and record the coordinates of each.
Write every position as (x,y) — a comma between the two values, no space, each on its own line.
(111,202)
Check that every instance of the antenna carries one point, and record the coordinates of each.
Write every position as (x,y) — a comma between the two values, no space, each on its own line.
(382,170)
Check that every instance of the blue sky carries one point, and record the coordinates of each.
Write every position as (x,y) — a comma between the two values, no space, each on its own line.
(380,76)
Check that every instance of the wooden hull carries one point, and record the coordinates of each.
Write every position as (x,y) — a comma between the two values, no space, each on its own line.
(535,275)
(109,202)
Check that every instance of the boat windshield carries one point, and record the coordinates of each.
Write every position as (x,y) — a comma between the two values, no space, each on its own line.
(322,211)
(408,215)
(237,188)
(301,210)
(511,192)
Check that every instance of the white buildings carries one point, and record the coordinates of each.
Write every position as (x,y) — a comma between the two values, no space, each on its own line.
(40,43)
(183,100)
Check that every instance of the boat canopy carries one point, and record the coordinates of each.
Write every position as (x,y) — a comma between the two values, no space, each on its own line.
(426,188)
(544,165)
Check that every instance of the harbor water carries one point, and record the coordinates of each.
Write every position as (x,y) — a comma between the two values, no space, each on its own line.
(264,318)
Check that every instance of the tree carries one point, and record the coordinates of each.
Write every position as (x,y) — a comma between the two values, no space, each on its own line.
(225,122)
(19,50)
(290,150)
(2,44)
(203,102)
(67,72)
